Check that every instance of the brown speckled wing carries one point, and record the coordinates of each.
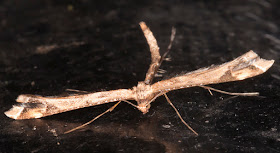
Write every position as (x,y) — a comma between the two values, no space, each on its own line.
(246,66)
(32,106)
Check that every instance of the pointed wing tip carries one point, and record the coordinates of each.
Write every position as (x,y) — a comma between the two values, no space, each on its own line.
(262,64)
(19,112)
(14,112)
(250,65)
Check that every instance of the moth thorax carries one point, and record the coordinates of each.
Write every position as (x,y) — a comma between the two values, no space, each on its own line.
(142,91)
(144,95)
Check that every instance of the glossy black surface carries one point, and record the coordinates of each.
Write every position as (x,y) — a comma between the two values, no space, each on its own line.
(47,47)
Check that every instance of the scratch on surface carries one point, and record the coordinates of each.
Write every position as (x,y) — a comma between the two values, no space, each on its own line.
(270,25)
(47,48)
(275,76)
(272,134)
(272,38)
(263,3)
(274,51)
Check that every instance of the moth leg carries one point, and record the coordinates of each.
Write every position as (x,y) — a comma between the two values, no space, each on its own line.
(108,110)
(168,100)
(230,93)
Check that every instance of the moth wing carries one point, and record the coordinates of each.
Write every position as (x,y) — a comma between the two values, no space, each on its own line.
(246,66)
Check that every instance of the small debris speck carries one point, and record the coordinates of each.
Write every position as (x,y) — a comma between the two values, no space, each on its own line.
(166,126)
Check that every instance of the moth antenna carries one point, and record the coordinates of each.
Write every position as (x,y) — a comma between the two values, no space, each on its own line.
(159,94)
(87,123)
(230,93)
(168,100)
(130,103)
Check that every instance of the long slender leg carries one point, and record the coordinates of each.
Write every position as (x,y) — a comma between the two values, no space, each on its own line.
(230,93)
(108,110)
(168,100)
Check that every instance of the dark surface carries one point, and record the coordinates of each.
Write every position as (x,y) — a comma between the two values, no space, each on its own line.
(47,47)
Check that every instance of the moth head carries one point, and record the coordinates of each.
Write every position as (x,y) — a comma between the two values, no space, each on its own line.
(144,96)
(144,108)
